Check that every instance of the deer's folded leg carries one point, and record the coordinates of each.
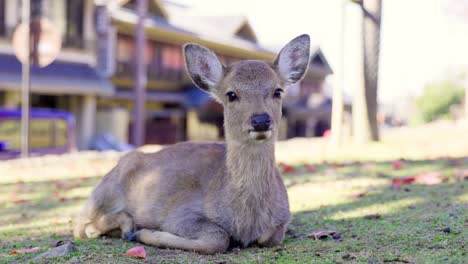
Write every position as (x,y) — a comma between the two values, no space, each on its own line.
(110,222)
(207,243)
(273,236)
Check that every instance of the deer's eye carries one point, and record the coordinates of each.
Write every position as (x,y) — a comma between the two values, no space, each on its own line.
(232,96)
(278,93)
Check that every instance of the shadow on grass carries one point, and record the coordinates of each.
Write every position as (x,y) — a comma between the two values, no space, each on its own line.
(411,223)
(23,201)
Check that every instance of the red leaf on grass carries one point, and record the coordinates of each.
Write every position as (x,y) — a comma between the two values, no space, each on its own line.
(428,178)
(25,250)
(138,252)
(286,168)
(399,182)
(321,234)
(310,168)
(397,164)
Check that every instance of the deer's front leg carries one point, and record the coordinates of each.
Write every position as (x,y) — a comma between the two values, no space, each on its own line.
(273,236)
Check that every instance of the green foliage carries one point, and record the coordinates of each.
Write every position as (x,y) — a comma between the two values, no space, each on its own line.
(437,99)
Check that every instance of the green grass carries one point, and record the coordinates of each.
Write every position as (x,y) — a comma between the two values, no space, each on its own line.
(39,198)
(410,228)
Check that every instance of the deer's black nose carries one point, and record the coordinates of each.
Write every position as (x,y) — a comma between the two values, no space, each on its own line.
(261,122)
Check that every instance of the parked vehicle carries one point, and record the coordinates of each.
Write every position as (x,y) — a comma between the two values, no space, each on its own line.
(51,132)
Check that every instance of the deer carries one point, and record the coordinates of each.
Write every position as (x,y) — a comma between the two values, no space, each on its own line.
(205,196)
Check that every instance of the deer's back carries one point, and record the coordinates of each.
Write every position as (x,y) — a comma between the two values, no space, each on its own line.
(172,182)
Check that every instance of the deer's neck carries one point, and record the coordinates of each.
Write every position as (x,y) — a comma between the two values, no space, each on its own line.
(250,168)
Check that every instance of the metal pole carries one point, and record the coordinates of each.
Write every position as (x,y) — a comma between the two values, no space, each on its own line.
(140,76)
(25,83)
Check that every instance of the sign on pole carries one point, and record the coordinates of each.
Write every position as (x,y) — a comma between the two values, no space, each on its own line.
(35,41)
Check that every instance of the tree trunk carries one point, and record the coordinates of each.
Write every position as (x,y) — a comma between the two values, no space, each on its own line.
(361,129)
(372,10)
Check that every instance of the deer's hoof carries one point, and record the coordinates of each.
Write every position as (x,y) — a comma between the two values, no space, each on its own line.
(131,236)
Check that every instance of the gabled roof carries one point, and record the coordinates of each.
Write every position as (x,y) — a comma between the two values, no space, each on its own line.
(183,16)
(187,27)
(318,62)
(155,7)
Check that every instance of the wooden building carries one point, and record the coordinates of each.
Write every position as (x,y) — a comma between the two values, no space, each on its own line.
(176,109)
(93,75)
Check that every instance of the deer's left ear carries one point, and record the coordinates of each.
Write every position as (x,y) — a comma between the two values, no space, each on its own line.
(293,59)
(203,66)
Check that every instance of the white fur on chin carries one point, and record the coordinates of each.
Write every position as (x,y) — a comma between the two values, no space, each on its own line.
(260,135)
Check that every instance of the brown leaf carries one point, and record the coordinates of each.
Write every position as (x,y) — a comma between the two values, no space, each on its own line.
(359,195)
(20,201)
(138,252)
(321,234)
(373,216)
(25,250)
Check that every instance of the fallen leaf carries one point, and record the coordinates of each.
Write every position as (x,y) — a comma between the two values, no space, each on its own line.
(20,201)
(397,164)
(25,250)
(428,178)
(288,169)
(337,165)
(321,234)
(373,216)
(310,168)
(138,252)
(58,251)
(397,183)
(358,195)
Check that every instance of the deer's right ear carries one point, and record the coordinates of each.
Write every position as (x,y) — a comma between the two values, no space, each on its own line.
(203,66)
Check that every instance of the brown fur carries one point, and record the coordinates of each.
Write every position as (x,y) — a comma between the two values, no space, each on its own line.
(199,196)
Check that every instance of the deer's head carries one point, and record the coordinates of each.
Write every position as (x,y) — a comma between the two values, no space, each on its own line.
(251,91)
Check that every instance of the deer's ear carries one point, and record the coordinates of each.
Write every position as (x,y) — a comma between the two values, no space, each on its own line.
(293,59)
(203,66)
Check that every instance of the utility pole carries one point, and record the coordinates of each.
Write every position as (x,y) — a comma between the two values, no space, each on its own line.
(337,107)
(139,112)
(26,82)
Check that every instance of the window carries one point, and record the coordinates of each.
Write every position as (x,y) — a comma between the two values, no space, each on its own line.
(68,17)
(125,50)
(167,63)
(74,25)
(2,18)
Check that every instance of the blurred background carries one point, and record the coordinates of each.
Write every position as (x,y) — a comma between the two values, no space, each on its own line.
(372,144)
(375,65)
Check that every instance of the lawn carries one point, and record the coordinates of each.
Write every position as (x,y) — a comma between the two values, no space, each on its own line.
(419,222)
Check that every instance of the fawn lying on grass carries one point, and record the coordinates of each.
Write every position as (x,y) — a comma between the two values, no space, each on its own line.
(201,196)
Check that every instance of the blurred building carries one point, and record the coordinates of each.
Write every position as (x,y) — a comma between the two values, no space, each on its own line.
(71,82)
(93,75)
